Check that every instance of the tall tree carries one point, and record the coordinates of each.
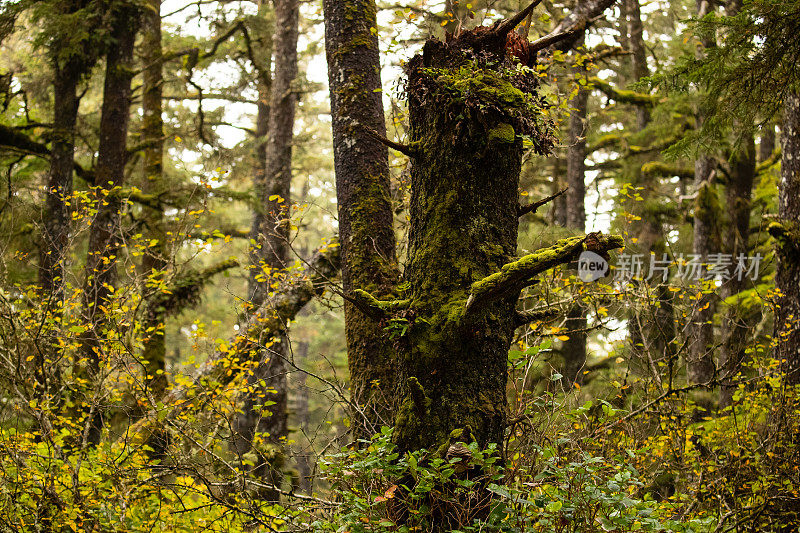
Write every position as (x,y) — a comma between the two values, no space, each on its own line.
(104,233)
(154,261)
(705,241)
(363,198)
(72,57)
(268,381)
(738,192)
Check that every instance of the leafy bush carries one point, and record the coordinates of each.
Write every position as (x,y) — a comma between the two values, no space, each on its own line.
(380,490)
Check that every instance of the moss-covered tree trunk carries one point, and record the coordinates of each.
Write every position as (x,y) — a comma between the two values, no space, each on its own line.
(736,323)
(363,197)
(787,233)
(651,326)
(469,107)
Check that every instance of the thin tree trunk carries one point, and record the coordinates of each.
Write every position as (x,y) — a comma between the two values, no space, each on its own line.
(363,195)
(57,220)
(787,233)
(104,233)
(268,381)
(304,454)
(574,349)
(651,325)
(701,354)
(766,145)
(558,213)
(735,326)
(639,57)
(155,259)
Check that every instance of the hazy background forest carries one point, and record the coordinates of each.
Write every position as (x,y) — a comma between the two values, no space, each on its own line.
(252,265)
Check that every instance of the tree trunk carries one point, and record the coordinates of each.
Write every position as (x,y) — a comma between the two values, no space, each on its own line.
(268,381)
(766,145)
(304,455)
(104,233)
(701,330)
(363,196)
(651,325)
(155,259)
(468,113)
(787,233)
(558,212)
(735,325)
(639,56)
(574,350)
(262,253)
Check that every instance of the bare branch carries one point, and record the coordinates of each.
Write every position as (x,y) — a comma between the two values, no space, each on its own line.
(531,208)
(404,149)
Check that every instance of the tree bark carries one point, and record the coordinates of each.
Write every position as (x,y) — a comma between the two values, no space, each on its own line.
(787,233)
(268,381)
(104,232)
(303,457)
(766,145)
(363,195)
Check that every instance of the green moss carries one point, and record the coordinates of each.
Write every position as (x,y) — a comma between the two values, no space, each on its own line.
(380,306)
(706,205)
(502,133)
(421,402)
(489,87)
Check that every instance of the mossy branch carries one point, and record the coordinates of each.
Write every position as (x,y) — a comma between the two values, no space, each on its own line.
(185,290)
(375,308)
(606,141)
(531,208)
(222,233)
(768,162)
(660,168)
(787,234)
(12,139)
(518,274)
(622,95)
